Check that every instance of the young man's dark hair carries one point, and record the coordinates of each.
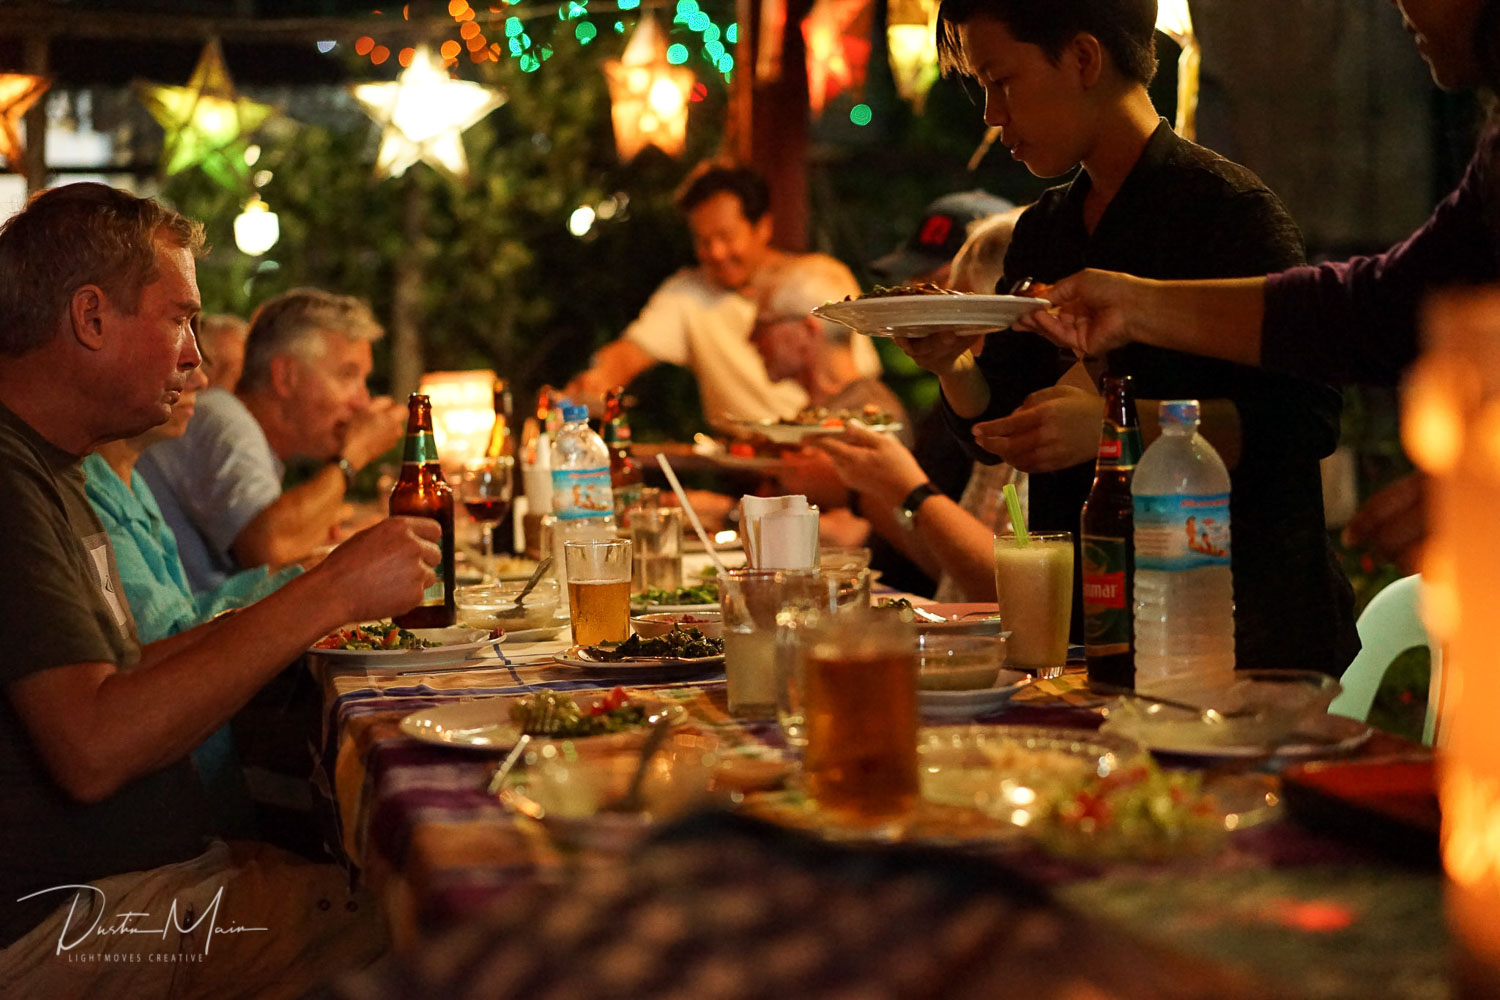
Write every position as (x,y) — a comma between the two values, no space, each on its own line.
(1126,29)
(710,179)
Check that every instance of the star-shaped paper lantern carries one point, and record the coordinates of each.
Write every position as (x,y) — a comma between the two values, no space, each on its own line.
(837,35)
(18,92)
(423,115)
(206,121)
(648,96)
(911,44)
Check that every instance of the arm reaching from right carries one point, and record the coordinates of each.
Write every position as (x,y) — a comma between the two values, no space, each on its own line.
(616,363)
(97,727)
(1098,311)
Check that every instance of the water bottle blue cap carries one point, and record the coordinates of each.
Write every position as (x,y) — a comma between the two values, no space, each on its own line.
(572,413)
(1178,411)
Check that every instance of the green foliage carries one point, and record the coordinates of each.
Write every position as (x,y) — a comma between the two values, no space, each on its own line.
(504,283)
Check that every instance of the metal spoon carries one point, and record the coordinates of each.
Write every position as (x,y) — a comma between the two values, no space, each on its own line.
(497,780)
(631,800)
(1023,286)
(536,576)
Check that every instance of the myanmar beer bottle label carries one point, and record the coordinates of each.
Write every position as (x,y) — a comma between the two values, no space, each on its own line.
(580,493)
(1107,623)
(420,448)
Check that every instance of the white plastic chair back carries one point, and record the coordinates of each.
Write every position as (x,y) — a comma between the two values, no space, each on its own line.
(1389,626)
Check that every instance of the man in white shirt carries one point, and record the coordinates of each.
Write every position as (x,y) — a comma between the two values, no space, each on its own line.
(700,317)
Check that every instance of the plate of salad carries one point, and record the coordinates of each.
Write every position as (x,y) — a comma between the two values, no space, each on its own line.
(494,724)
(694,598)
(385,645)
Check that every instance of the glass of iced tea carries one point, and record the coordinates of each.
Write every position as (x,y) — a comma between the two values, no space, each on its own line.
(598,572)
(860,704)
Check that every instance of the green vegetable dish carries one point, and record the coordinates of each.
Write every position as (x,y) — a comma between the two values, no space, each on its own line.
(678,644)
(548,713)
(703,593)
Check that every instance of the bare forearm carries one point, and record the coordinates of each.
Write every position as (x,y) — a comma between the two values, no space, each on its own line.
(299,521)
(121,725)
(1217,319)
(965,388)
(961,544)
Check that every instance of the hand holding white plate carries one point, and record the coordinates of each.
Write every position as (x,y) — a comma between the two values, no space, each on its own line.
(920,315)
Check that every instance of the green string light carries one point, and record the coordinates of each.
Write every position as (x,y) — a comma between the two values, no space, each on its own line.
(861,114)
(677,54)
(585,33)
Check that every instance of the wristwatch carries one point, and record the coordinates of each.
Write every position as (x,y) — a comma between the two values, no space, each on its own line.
(906,513)
(347,468)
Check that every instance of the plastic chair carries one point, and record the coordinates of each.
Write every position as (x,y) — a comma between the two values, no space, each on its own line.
(1388,627)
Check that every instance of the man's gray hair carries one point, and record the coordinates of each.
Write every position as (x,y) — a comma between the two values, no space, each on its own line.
(294,322)
(807,281)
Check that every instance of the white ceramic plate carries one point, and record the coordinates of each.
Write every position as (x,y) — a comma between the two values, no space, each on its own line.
(485,724)
(577,656)
(1334,734)
(957,705)
(785,433)
(919,315)
(459,643)
(675,609)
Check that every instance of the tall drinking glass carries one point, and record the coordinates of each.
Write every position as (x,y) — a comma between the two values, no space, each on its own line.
(860,684)
(598,589)
(1034,585)
(656,533)
(759,607)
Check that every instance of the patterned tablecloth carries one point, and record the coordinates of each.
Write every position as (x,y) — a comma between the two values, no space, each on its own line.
(1319,916)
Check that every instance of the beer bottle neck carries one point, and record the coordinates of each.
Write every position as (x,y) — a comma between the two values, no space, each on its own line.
(419,449)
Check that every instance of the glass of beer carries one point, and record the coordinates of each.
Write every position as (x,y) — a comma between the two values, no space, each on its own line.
(1034,585)
(598,572)
(860,701)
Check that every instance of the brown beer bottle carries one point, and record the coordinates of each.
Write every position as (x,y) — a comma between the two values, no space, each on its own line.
(501,443)
(421,491)
(1107,531)
(625,477)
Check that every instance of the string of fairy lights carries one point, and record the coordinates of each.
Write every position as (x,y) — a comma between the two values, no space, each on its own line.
(500,31)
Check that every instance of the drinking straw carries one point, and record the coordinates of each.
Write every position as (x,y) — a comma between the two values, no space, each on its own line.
(692,516)
(1017,518)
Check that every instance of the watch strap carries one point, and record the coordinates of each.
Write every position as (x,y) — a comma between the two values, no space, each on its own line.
(347,468)
(907,511)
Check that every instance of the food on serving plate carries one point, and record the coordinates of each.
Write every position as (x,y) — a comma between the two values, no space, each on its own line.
(548,713)
(1140,810)
(678,644)
(703,593)
(378,635)
(821,416)
(914,288)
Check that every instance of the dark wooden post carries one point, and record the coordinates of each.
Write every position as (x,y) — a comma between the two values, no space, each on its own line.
(778,121)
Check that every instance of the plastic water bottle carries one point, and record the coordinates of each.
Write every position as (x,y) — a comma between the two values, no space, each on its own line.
(582,498)
(1184,588)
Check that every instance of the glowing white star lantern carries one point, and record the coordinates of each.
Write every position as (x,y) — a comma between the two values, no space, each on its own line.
(911,46)
(257,228)
(1174,20)
(423,115)
(648,96)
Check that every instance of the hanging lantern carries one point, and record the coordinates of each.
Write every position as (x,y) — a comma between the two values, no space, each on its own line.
(18,92)
(257,228)
(423,114)
(1175,21)
(911,46)
(463,413)
(206,121)
(837,36)
(648,96)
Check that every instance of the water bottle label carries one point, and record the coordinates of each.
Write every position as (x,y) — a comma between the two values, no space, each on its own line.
(580,493)
(1181,532)
(1107,621)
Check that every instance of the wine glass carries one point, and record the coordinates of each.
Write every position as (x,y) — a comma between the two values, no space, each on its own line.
(485,490)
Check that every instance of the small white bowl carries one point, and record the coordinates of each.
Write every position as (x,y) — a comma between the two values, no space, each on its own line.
(710,623)
(490,606)
(958,662)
